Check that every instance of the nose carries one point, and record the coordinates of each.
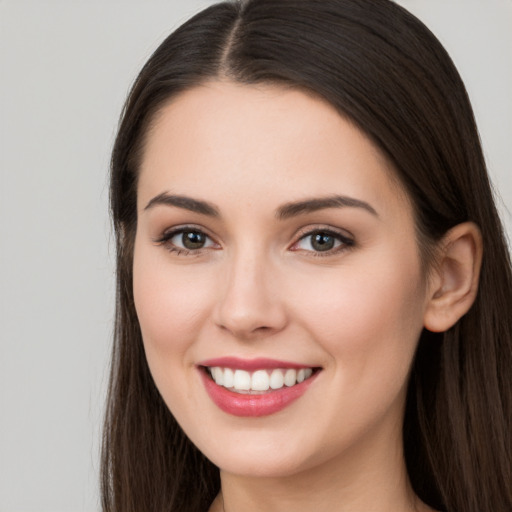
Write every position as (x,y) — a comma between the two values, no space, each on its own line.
(251,304)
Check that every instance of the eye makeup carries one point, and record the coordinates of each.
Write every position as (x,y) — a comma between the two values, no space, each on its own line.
(186,240)
(191,240)
(323,241)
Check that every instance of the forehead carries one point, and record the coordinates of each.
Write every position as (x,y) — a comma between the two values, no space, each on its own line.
(222,139)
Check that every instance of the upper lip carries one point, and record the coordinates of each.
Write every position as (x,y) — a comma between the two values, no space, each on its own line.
(259,363)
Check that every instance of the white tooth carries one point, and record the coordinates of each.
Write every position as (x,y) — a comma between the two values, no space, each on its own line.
(277,379)
(260,381)
(301,374)
(290,377)
(308,373)
(228,378)
(217,375)
(242,380)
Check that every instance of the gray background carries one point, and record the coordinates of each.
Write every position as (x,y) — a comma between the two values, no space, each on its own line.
(66,67)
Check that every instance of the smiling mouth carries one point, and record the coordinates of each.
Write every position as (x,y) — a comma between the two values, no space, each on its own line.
(255,387)
(261,381)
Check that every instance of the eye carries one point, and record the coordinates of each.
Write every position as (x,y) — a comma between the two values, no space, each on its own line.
(323,241)
(190,240)
(186,241)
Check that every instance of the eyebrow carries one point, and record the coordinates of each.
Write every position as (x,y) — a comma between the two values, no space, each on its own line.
(312,205)
(284,212)
(187,203)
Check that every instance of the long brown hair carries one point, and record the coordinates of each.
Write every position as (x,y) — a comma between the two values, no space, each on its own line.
(382,68)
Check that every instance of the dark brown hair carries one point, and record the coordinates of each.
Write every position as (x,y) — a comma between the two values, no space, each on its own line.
(383,69)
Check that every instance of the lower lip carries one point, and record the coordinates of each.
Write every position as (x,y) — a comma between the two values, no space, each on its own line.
(248,405)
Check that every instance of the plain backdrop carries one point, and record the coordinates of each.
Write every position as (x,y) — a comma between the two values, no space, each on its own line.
(65,68)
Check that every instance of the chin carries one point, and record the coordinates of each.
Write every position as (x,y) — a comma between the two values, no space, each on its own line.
(261,466)
(267,456)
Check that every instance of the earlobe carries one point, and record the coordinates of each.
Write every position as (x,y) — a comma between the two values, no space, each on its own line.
(454,286)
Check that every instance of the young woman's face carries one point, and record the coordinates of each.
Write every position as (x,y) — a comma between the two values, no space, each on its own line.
(273,245)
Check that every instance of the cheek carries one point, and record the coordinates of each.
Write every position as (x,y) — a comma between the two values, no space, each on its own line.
(169,301)
(171,308)
(368,316)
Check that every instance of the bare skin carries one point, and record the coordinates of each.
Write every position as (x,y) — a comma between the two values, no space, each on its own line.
(257,285)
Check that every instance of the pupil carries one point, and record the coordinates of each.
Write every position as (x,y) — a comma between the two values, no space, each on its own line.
(193,240)
(322,242)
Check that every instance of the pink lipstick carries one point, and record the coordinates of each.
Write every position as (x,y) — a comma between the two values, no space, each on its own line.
(255,387)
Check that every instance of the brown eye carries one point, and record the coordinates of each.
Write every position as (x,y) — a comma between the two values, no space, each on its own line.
(193,240)
(186,240)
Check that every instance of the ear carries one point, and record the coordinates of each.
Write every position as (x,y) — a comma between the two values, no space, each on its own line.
(454,280)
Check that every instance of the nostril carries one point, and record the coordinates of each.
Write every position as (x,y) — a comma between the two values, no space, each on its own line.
(241,331)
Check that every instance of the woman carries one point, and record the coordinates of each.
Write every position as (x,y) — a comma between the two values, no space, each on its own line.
(314,291)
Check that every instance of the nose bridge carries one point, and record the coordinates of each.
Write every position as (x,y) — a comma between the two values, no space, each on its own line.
(250,302)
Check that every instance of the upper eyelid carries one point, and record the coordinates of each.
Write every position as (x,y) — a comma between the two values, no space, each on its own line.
(303,232)
(309,230)
(347,239)
(170,232)
(165,240)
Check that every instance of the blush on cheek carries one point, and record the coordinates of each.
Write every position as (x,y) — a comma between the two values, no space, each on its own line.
(171,303)
(367,311)
(165,317)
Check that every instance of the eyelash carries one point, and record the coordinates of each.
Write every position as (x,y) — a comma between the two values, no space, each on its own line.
(166,238)
(345,242)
